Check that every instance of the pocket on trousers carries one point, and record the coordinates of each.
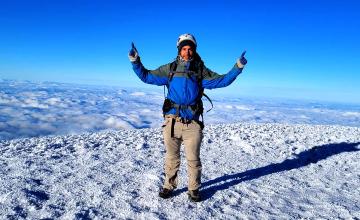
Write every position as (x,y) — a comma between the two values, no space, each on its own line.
(166,122)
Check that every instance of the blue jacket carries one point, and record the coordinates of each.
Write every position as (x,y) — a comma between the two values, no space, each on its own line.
(184,87)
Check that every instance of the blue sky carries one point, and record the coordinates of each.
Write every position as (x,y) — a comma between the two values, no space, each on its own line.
(296,49)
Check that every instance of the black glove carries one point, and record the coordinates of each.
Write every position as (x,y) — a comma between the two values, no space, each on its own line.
(242,61)
(133,53)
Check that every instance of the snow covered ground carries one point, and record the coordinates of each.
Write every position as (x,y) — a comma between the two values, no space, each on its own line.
(250,171)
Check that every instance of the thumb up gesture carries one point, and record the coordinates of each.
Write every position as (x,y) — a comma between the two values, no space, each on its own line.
(242,61)
(133,53)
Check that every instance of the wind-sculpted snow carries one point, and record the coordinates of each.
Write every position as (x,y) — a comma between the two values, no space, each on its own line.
(250,171)
(37,109)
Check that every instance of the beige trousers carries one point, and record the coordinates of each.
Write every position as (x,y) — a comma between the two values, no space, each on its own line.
(191,135)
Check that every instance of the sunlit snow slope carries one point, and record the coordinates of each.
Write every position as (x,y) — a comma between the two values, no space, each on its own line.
(256,171)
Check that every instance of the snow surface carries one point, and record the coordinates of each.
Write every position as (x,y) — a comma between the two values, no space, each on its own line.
(250,171)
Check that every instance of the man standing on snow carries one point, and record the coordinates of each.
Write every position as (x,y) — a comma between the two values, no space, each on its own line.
(186,78)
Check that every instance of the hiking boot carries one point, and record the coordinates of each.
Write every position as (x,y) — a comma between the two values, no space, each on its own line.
(165,193)
(194,195)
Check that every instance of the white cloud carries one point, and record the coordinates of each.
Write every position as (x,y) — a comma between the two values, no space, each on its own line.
(304,116)
(33,94)
(33,103)
(242,107)
(146,111)
(53,101)
(113,122)
(3,126)
(29,109)
(138,94)
(351,114)
(8,100)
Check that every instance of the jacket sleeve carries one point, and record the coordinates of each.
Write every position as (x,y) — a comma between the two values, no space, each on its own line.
(214,80)
(156,77)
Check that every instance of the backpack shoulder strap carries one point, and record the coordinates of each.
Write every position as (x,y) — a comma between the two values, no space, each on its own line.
(208,98)
(200,78)
(173,66)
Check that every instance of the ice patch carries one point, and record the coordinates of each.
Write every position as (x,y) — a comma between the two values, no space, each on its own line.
(245,146)
(151,176)
(4,197)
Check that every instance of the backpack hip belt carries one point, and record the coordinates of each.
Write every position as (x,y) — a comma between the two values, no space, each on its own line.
(179,119)
(196,109)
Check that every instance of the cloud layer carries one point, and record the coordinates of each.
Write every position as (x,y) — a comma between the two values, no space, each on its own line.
(36,109)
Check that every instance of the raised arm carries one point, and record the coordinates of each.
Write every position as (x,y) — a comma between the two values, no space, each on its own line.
(213,80)
(156,77)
